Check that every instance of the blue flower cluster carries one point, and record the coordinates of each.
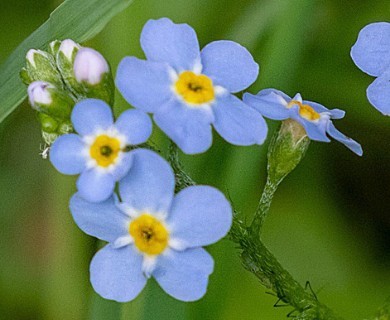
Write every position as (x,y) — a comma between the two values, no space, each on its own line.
(151,232)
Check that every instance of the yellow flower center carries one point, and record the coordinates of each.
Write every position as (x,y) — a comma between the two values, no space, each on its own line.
(149,234)
(195,88)
(105,150)
(305,111)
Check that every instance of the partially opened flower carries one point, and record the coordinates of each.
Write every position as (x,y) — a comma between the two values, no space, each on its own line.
(371,53)
(189,90)
(98,151)
(314,117)
(153,233)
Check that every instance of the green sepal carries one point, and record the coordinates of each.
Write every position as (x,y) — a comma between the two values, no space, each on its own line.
(54,46)
(42,68)
(60,107)
(48,124)
(65,66)
(104,90)
(286,150)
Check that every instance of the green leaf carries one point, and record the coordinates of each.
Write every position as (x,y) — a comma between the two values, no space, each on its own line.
(79,20)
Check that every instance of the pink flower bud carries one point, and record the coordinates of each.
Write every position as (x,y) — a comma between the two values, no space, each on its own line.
(89,66)
(67,47)
(38,93)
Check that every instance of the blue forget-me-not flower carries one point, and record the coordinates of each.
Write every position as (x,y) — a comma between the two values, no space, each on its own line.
(314,117)
(98,151)
(371,53)
(189,90)
(153,233)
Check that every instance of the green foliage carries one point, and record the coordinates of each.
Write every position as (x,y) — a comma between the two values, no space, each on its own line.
(76,19)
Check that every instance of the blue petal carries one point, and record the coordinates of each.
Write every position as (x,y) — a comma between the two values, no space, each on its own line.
(90,115)
(238,123)
(229,65)
(101,220)
(266,92)
(95,186)
(269,105)
(116,274)
(334,113)
(123,166)
(378,93)
(314,130)
(135,125)
(188,127)
(66,154)
(164,41)
(150,183)
(144,84)
(371,52)
(348,142)
(200,215)
(316,106)
(184,275)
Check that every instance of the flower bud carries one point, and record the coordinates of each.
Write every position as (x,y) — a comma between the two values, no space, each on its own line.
(90,66)
(69,49)
(40,67)
(54,46)
(286,150)
(48,124)
(65,56)
(52,128)
(47,98)
(93,73)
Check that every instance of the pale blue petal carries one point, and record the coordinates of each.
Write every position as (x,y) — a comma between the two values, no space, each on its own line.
(135,125)
(95,186)
(90,115)
(371,52)
(150,183)
(200,215)
(314,130)
(270,105)
(116,274)
(188,127)
(101,220)
(184,275)
(316,106)
(229,65)
(378,93)
(122,167)
(144,84)
(238,123)
(348,142)
(66,154)
(334,113)
(164,41)
(265,92)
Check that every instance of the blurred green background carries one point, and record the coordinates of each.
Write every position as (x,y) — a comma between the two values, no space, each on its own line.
(330,220)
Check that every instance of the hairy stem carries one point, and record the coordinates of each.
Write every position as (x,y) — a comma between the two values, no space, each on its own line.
(263,207)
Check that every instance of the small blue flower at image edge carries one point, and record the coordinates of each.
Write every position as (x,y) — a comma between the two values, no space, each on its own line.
(153,233)
(98,152)
(188,90)
(314,117)
(371,53)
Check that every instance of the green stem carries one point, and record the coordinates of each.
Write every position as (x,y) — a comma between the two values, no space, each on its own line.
(183,180)
(263,206)
(257,259)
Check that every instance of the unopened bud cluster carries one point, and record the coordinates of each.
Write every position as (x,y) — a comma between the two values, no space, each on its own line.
(59,78)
